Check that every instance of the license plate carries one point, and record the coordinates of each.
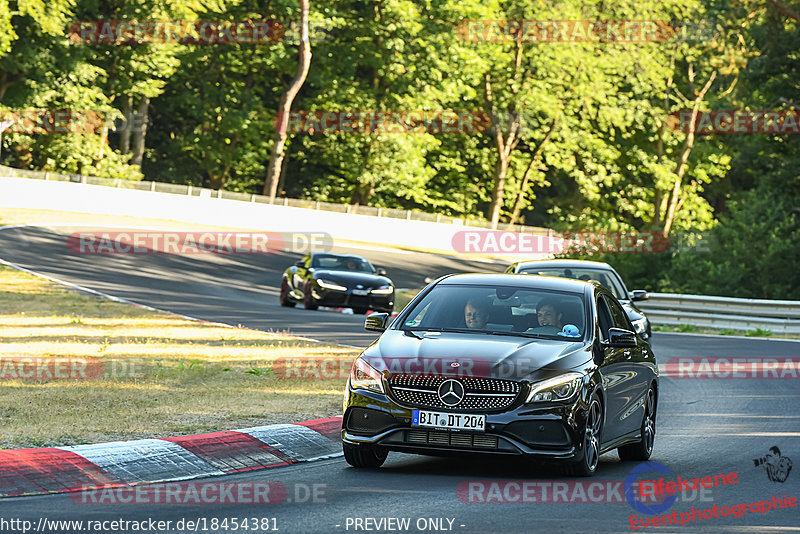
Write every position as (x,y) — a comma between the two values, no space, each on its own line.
(452,421)
(360,292)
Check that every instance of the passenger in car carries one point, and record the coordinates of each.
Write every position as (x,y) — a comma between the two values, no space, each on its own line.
(476,313)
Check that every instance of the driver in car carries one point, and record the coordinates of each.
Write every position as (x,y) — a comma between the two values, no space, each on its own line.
(476,314)
(550,317)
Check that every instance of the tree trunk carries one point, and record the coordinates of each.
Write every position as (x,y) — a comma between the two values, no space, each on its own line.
(688,145)
(140,131)
(103,143)
(279,139)
(527,176)
(505,144)
(125,134)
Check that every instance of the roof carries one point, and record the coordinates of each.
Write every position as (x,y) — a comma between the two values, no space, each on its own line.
(565,263)
(533,282)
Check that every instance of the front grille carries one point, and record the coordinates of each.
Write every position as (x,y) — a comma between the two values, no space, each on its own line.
(480,394)
(453,439)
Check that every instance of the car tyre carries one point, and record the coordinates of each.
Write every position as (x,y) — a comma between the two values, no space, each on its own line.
(284,297)
(364,455)
(642,449)
(308,299)
(592,433)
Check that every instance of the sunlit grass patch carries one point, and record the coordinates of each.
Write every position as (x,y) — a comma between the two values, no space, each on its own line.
(159,375)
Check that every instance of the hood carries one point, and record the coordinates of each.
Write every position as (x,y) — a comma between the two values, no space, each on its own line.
(476,355)
(350,279)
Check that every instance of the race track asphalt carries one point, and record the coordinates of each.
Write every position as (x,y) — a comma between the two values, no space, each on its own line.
(706,427)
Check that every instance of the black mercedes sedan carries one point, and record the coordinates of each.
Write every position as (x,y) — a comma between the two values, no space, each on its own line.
(599,272)
(337,280)
(532,366)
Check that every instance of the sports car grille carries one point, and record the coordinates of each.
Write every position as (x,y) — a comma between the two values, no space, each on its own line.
(480,394)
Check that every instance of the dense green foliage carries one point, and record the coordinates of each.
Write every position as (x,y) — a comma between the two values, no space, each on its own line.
(579,138)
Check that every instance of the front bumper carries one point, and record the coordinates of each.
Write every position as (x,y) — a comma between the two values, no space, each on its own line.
(346,299)
(547,431)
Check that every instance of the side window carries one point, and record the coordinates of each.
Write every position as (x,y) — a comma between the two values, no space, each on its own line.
(603,317)
(618,314)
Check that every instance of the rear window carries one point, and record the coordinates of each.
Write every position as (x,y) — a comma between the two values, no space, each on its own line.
(500,310)
(604,277)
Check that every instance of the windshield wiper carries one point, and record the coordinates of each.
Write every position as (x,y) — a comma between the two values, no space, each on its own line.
(519,334)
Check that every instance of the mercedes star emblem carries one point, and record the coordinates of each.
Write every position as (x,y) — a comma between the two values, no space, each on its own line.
(451,392)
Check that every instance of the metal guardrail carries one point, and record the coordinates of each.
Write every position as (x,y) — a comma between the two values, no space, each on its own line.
(190,190)
(672,309)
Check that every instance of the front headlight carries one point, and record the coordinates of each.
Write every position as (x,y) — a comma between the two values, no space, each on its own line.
(330,285)
(560,388)
(640,325)
(383,290)
(364,376)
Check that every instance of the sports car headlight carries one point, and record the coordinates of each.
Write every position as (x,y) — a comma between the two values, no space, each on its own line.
(560,388)
(383,290)
(330,285)
(364,376)
(640,325)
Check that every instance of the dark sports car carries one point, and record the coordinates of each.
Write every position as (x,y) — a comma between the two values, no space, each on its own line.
(599,272)
(337,280)
(533,366)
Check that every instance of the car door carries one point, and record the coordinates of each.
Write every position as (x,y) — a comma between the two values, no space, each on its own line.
(612,371)
(630,375)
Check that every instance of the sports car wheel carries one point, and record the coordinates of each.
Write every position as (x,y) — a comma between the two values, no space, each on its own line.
(587,465)
(284,298)
(642,449)
(308,299)
(364,455)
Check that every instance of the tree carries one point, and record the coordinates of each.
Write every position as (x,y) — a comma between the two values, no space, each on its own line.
(279,139)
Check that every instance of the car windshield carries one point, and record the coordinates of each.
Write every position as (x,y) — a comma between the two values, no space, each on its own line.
(500,310)
(603,276)
(342,263)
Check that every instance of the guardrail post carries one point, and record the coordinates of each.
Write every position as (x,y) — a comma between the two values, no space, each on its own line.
(347,210)
(438,217)
(189,190)
(379,212)
(285,201)
(219,193)
(408,215)
(83,179)
(152,186)
(47,176)
(252,198)
(316,205)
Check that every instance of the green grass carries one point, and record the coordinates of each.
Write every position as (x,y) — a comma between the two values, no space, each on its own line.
(159,375)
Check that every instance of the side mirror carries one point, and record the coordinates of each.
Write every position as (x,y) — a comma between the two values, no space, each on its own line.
(377,322)
(620,338)
(300,263)
(380,271)
(639,294)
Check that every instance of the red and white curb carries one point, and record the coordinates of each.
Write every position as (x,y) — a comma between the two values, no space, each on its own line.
(122,463)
